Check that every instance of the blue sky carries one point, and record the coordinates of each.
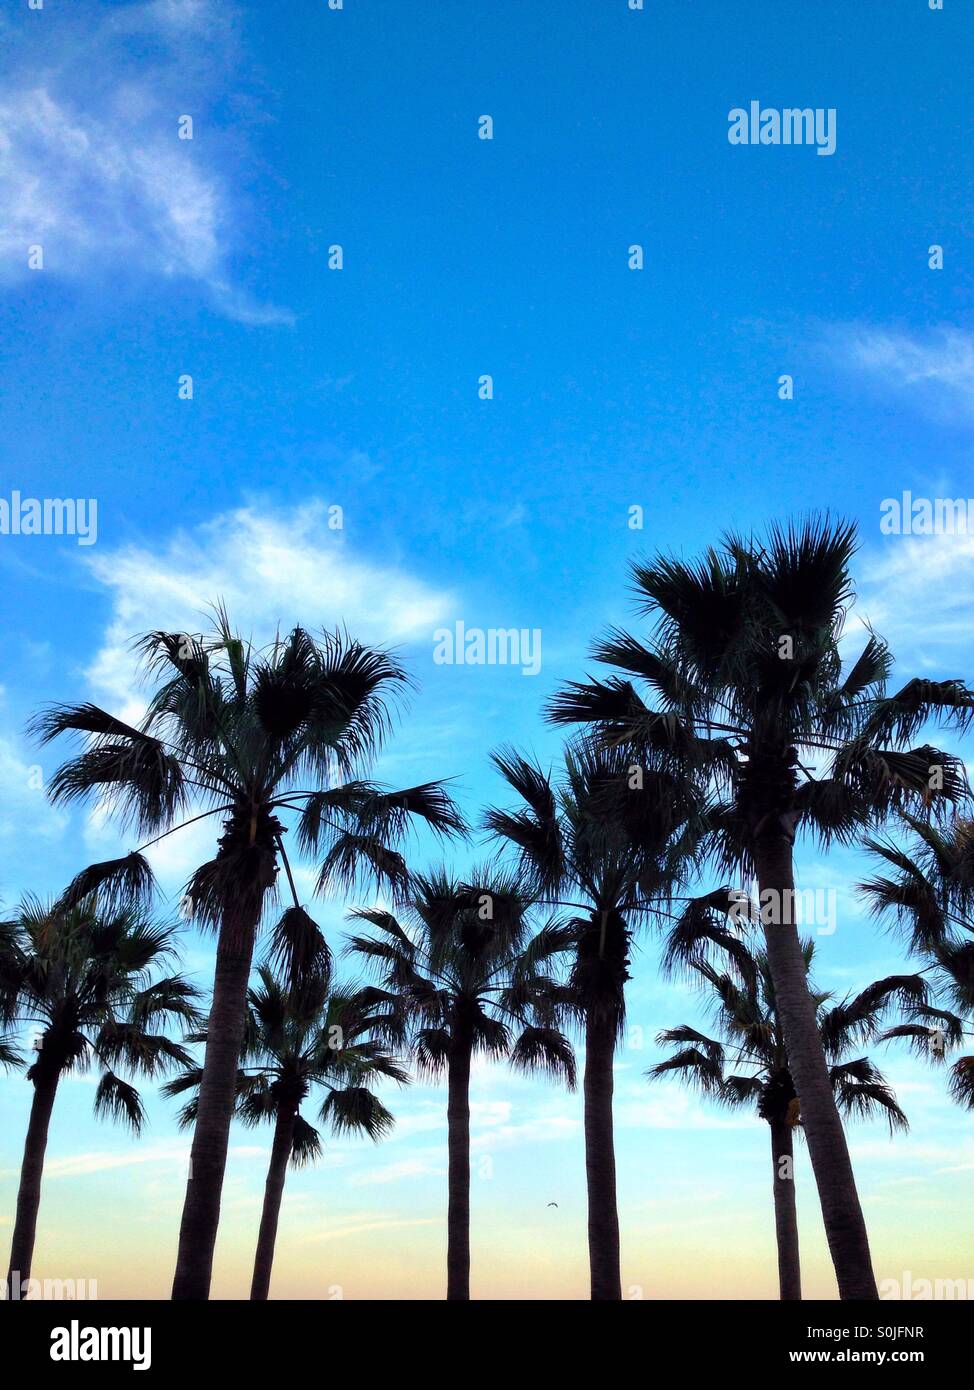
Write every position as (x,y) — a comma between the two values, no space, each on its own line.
(358,388)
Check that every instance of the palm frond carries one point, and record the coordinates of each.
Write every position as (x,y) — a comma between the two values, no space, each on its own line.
(432,1050)
(173,999)
(652,664)
(10,1054)
(305,1144)
(932,1032)
(533,830)
(133,771)
(353,859)
(742,1090)
(903,715)
(297,948)
(699,927)
(356,1110)
(115,882)
(962,1082)
(683,1033)
(119,1101)
(861,1091)
(856,1018)
(147,1054)
(694,1066)
(547,1051)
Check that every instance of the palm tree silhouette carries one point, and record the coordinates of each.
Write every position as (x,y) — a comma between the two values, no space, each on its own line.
(746,669)
(750,1037)
(460,970)
(255,737)
(931,896)
(87,980)
(607,840)
(298,1039)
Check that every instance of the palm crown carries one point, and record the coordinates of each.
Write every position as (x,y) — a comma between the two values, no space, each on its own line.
(750,1037)
(609,838)
(235,732)
(87,980)
(299,1039)
(462,967)
(748,682)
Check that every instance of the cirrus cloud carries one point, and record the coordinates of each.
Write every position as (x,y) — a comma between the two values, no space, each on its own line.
(935,367)
(94,172)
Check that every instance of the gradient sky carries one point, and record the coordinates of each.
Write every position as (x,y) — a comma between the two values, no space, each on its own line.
(613,388)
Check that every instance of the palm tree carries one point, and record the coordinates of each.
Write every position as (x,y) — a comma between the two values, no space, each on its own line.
(299,1038)
(605,841)
(87,980)
(751,1037)
(459,970)
(255,737)
(931,896)
(746,669)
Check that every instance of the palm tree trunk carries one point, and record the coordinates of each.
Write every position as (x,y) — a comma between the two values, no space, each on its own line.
(834,1178)
(785,1210)
(29,1192)
(273,1192)
(458,1141)
(208,1159)
(600,1161)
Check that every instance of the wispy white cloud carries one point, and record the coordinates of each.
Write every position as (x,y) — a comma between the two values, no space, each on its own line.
(674,1109)
(176,16)
(269,568)
(540,1129)
(96,174)
(409,1123)
(401,1171)
(913,1148)
(103,1161)
(360,1226)
(916,591)
(936,367)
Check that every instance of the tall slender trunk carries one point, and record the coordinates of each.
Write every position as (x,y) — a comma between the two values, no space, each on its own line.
(785,1210)
(845,1228)
(31,1173)
(600,1161)
(273,1192)
(208,1158)
(458,1141)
